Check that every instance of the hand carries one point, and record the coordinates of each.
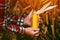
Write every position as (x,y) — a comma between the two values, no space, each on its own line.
(32,32)
(27,20)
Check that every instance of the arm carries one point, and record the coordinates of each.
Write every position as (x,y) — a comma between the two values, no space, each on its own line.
(12,23)
(17,28)
(1,12)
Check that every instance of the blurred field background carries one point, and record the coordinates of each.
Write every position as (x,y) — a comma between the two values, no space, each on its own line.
(49,21)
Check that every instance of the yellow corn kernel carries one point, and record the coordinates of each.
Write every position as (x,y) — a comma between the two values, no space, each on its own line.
(35,20)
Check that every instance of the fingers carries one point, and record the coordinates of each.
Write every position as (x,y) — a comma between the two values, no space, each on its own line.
(32,32)
(35,33)
(30,14)
(37,29)
(27,20)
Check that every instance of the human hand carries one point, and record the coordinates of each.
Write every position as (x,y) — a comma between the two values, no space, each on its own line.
(32,32)
(27,20)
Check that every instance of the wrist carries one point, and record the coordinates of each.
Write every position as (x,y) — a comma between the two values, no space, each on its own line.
(22,30)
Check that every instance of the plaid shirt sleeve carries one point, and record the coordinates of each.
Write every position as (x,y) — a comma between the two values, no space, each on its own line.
(9,22)
(1,12)
(13,23)
(2,7)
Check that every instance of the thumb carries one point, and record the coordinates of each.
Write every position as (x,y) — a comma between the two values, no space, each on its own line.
(30,14)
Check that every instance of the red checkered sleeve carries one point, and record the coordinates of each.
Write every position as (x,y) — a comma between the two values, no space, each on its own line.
(2,7)
(16,28)
(1,12)
(9,22)
(13,23)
